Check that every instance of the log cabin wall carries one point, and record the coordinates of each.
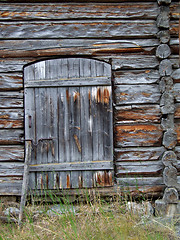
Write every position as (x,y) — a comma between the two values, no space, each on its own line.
(123,34)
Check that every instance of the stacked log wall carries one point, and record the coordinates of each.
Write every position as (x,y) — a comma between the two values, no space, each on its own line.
(123,34)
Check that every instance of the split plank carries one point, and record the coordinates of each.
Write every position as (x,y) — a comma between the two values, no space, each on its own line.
(12,153)
(11,136)
(11,99)
(135,94)
(67,11)
(10,186)
(177,92)
(139,181)
(13,65)
(11,81)
(50,47)
(80,29)
(138,154)
(136,77)
(138,135)
(137,114)
(11,118)
(146,168)
(8,169)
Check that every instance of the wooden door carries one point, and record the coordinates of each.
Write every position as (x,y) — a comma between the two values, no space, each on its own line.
(68,117)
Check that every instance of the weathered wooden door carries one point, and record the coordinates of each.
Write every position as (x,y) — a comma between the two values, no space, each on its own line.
(68,117)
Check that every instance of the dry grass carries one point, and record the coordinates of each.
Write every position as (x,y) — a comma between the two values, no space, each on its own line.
(92,220)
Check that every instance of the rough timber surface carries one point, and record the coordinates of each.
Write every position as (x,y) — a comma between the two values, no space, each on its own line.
(78,11)
(80,29)
(94,47)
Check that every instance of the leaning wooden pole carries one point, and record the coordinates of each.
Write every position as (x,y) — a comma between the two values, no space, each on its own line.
(25,180)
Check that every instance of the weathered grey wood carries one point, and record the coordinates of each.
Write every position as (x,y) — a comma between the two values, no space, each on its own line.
(165,67)
(139,181)
(164,36)
(70,82)
(177,111)
(170,176)
(11,136)
(11,185)
(25,184)
(9,169)
(139,168)
(13,65)
(11,99)
(170,139)
(11,118)
(137,113)
(72,166)
(95,47)
(169,159)
(11,81)
(167,102)
(174,9)
(11,153)
(86,29)
(177,91)
(138,135)
(45,11)
(134,62)
(136,77)
(171,196)
(163,17)
(167,121)
(163,51)
(174,61)
(135,94)
(166,84)
(139,154)
(174,28)
(176,76)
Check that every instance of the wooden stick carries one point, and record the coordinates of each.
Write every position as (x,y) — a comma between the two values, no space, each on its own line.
(25,180)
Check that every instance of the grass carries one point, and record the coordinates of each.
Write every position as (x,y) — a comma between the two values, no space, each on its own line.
(95,219)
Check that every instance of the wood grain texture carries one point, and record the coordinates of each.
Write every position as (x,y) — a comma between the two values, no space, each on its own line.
(174,10)
(135,94)
(147,168)
(82,29)
(177,110)
(136,77)
(138,154)
(138,135)
(177,130)
(11,136)
(11,118)
(11,153)
(177,92)
(10,185)
(139,181)
(51,47)
(137,114)
(11,99)
(8,169)
(11,81)
(174,28)
(78,11)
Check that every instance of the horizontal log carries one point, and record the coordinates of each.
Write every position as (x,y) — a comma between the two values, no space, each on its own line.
(78,29)
(11,99)
(177,92)
(13,65)
(11,136)
(12,153)
(135,94)
(10,185)
(177,110)
(137,114)
(37,48)
(174,28)
(177,130)
(11,81)
(147,168)
(174,10)
(139,154)
(77,11)
(139,181)
(136,77)
(11,118)
(134,62)
(8,169)
(138,135)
